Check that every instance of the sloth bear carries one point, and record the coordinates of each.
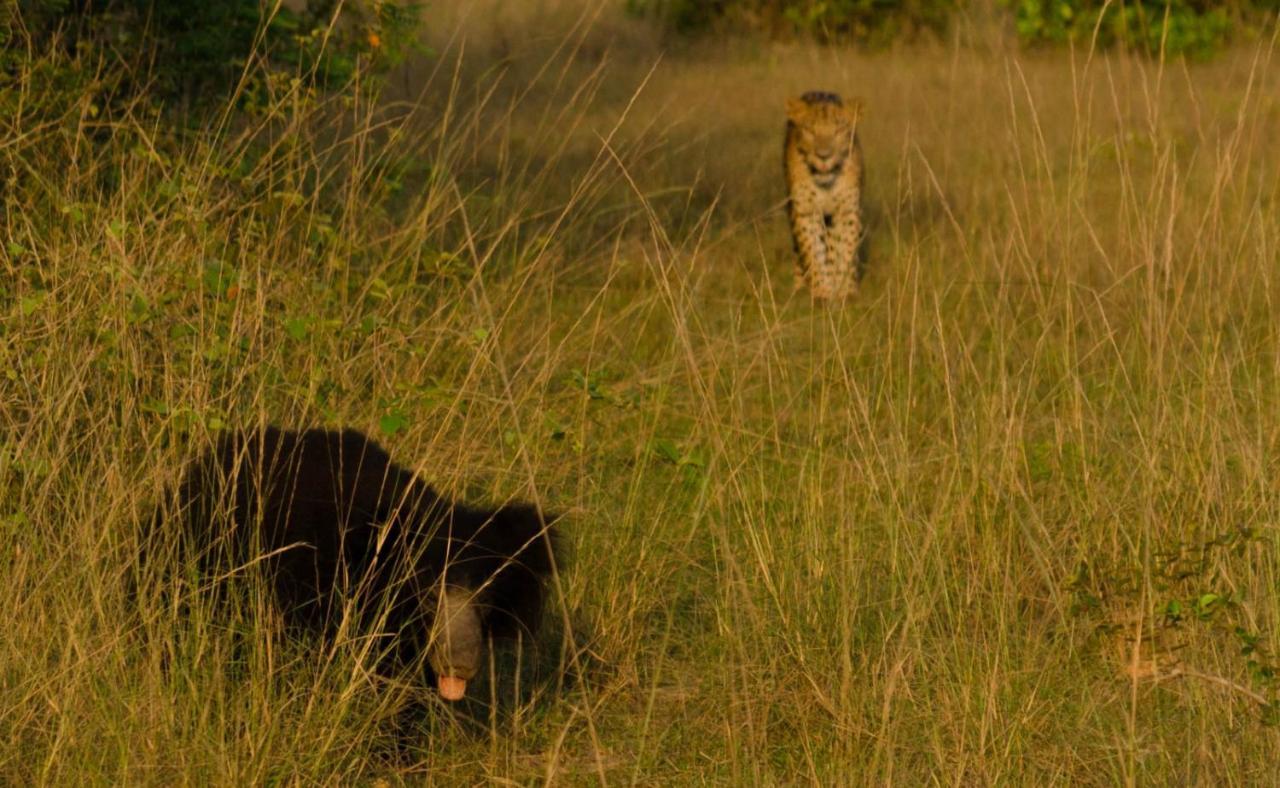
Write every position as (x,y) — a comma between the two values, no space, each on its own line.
(330,520)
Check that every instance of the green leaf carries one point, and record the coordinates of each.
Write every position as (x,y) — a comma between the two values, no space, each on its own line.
(591,384)
(694,458)
(139,310)
(379,289)
(297,327)
(666,449)
(290,199)
(393,422)
(14,522)
(218,277)
(1207,603)
(29,304)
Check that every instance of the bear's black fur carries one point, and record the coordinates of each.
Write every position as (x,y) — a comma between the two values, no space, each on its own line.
(330,519)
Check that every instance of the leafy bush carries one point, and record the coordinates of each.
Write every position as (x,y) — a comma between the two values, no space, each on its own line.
(1196,27)
(863,20)
(198,49)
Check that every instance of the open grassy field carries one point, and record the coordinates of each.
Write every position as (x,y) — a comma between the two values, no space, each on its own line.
(1008,516)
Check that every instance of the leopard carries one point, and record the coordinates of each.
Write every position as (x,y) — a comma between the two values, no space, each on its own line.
(822,162)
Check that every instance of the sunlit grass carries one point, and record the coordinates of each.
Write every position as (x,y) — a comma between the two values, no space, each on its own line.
(998,519)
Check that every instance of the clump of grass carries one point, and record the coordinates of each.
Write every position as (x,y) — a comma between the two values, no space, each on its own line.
(806,543)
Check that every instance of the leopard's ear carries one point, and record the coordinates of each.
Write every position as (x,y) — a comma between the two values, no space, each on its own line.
(796,108)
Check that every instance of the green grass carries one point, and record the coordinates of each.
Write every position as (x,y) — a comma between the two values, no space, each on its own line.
(930,535)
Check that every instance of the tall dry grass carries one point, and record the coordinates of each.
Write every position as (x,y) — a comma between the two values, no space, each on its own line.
(1005,517)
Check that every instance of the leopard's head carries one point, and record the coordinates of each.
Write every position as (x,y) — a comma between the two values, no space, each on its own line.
(824,129)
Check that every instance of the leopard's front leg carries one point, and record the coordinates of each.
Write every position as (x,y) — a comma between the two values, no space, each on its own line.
(843,236)
(812,253)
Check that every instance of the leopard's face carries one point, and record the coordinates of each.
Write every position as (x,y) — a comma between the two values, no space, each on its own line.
(823,137)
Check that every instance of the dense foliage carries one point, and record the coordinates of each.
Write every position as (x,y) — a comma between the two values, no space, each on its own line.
(1197,27)
(198,50)
(871,20)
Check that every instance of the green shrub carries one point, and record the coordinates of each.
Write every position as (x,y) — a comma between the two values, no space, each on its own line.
(877,21)
(199,49)
(681,16)
(1195,27)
